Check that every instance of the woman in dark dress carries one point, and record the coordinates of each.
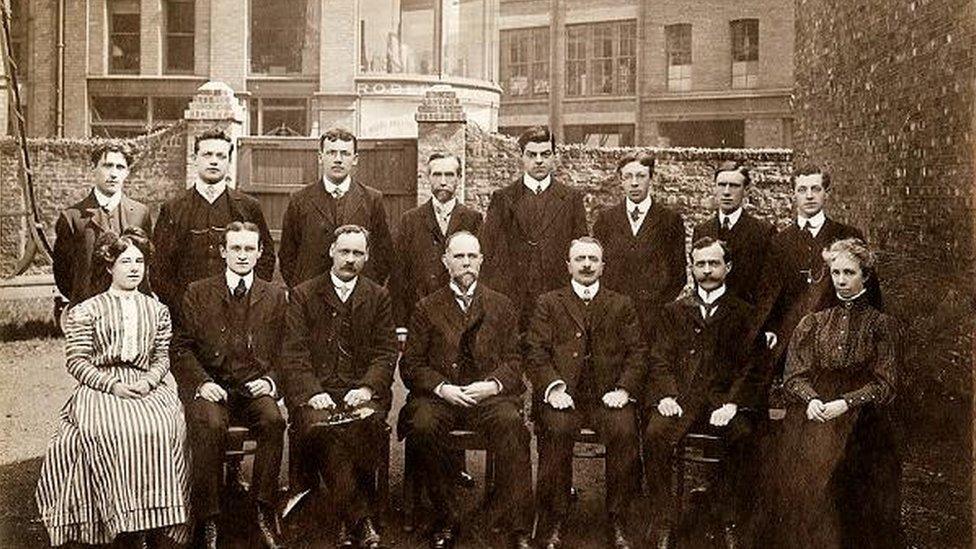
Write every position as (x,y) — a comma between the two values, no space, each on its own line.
(841,363)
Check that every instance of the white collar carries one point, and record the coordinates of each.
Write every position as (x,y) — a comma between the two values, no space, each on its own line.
(853,297)
(218,189)
(644,205)
(531,183)
(816,221)
(712,296)
(108,203)
(234,278)
(331,187)
(339,283)
(457,289)
(444,208)
(732,217)
(578,288)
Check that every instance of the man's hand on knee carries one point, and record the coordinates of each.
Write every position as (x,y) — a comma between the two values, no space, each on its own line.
(321,401)
(211,392)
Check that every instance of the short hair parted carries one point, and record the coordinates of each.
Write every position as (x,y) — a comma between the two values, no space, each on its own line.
(239,226)
(440,155)
(733,166)
(536,134)
(584,240)
(213,133)
(643,158)
(338,134)
(109,246)
(705,242)
(456,234)
(812,169)
(100,151)
(350,228)
(856,249)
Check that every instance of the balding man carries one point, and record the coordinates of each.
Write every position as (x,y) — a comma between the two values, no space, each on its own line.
(463,370)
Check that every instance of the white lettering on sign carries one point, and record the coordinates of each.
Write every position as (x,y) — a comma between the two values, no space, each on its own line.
(391,88)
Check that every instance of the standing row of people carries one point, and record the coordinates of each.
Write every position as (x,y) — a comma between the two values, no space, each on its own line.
(609,348)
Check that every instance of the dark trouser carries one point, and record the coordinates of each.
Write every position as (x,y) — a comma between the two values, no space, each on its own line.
(616,429)
(664,433)
(207,424)
(345,455)
(429,420)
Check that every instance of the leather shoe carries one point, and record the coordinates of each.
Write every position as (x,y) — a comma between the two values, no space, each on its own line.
(210,534)
(443,538)
(731,536)
(618,536)
(661,538)
(521,540)
(344,540)
(268,529)
(554,540)
(369,538)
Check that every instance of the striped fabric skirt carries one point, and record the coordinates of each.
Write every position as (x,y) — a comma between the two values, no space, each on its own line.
(116,465)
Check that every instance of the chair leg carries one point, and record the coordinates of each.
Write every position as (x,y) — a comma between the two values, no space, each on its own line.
(677,489)
(383,480)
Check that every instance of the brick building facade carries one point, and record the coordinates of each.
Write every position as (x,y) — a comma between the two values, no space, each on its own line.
(670,73)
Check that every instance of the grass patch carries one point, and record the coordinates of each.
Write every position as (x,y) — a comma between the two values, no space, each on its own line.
(27,319)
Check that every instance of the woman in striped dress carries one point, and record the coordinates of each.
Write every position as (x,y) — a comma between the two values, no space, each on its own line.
(117,465)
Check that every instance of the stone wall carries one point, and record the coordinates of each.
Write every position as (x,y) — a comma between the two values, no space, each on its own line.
(884,98)
(62,177)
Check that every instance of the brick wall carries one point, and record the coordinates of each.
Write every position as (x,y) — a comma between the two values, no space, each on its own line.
(884,97)
(62,172)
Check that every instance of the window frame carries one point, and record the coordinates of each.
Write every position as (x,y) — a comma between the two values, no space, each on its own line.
(744,53)
(583,65)
(531,40)
(679,75)
(169,34)
(111,33)
(141,126)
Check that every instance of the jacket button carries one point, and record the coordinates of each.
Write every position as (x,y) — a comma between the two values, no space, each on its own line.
(454,366)
(579,334)
(575,354)
(333,313)
(216,353)
(223,329)
(692,351)
(697,330)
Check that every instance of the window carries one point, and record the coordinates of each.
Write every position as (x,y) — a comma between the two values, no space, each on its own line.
(284,37)
(279,116)
(608,135)
(123,36)
(397,36)
(678,43)
(465,39)
(601,59)
(745,53)
(115,116)
(525,62)
(179,36)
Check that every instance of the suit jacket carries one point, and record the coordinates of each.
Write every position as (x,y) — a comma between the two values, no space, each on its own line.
(418,270)
(556,342)
(76,231)
(705,362)
(434,351)
(309,223)
(202,345)
(749,240)
(311,355)
(798,283)
(516,263)
(180,248)
(649,267)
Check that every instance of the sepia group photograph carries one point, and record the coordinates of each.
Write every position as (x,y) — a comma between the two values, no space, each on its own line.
(527,274)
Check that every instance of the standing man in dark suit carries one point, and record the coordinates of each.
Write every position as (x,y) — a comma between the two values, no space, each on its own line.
(747,237)
(339,355)
(227,352)
(702,377)
(419,267)
(643,243)
(529,226)
(105,208)
(586,362)
(314,213)
(462,369)
(190,231)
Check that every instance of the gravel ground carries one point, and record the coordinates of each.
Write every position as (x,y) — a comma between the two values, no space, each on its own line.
(936,473)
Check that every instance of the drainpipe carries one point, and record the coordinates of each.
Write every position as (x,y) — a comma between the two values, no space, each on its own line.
(59,88)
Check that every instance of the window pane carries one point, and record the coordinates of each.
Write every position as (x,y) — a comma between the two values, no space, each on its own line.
(745,40)
(397,36)
(119,108)
(179,16)
(465,38)
(283,36)
(576,61)
(124,36)
(166,109)
(179,53)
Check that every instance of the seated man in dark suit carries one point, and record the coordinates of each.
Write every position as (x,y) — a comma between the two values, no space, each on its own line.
(226,353)
(586,363)
(105,208)
(338,359)
(462,368)
(703,376)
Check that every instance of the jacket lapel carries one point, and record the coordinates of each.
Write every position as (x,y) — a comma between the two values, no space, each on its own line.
(651,220)
(259,289)
(549,214)
(430,218)
(92,211)
(572,306)
(352,202)
(320,200)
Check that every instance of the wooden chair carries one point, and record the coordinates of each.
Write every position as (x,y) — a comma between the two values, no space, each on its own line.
(698,449)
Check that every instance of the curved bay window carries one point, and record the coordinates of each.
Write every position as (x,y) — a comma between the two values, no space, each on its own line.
(435,37)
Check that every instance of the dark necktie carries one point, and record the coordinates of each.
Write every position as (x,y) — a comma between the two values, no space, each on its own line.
(726,225)
(465,300)
(240,290)
(811,230)
(635,214)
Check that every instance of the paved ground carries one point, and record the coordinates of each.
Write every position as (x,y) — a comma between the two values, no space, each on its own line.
(35,385)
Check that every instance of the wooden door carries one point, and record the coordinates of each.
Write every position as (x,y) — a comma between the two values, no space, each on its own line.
(390,166)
